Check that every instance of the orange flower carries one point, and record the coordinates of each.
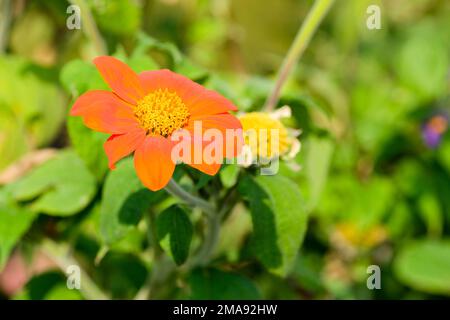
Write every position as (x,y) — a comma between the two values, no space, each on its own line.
(144,110)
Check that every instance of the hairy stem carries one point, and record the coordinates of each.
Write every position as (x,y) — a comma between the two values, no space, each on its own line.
(206,251)
(213,222)
(177,191)
(210,241)
(301,41)
(160,270)
(152,235)
(60,254)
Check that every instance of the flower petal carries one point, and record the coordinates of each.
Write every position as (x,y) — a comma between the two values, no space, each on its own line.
(105,112)
(198,152)
(153,162)
(198,99)
(158,79)
(119,146)
(208,140)
(120,77)
(230,127)
(210,169)
(210,103)
(221,121)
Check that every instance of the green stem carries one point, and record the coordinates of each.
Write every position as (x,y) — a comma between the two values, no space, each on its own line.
(90,28)
(206,251)
(209,243)
(229,201)
(153,237)
(213,221)
(176,190)
(60,254)
(5,18)
(159,269)
(301,41)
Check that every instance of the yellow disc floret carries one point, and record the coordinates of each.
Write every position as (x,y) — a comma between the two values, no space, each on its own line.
(161,112)
(267,137)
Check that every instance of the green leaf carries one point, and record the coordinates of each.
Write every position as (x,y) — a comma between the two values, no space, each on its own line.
(121,17)
(122,275)
(31,32)
(15,221)
(425,266)
(423,62)
(31,108)
(61,292)
(50,285)
(62,186)
(229,175)
(317,163)
(443,154)
(180,63)
(40,285)
(142,62)
(146,42)
(78,76)
(213,284)
(88,144)
(279,220)
(16,144)
(190,70)
(124,200)
(174,231)
(203,180)
(431,213)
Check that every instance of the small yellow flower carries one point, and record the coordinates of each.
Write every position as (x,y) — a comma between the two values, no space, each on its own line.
(266,136)
(364,238)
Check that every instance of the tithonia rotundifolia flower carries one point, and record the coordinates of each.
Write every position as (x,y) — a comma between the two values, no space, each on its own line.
(145,110)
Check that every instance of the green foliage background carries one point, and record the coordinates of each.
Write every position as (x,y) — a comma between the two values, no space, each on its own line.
(370,191)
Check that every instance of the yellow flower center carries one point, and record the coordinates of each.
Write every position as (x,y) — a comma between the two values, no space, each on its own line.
(260,133)
(161,112)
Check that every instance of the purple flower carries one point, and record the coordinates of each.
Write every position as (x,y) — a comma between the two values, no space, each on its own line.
(431,137)
(433,129)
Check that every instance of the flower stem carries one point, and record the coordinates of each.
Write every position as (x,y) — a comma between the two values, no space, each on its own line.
(206,251)
(60,254)
(152,235)
(209,243)
(301,41)
(5,20)
(176,190)
(90,28)
(213,220)
(161,268)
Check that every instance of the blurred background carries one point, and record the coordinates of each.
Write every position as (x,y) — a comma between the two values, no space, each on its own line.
(373,107)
